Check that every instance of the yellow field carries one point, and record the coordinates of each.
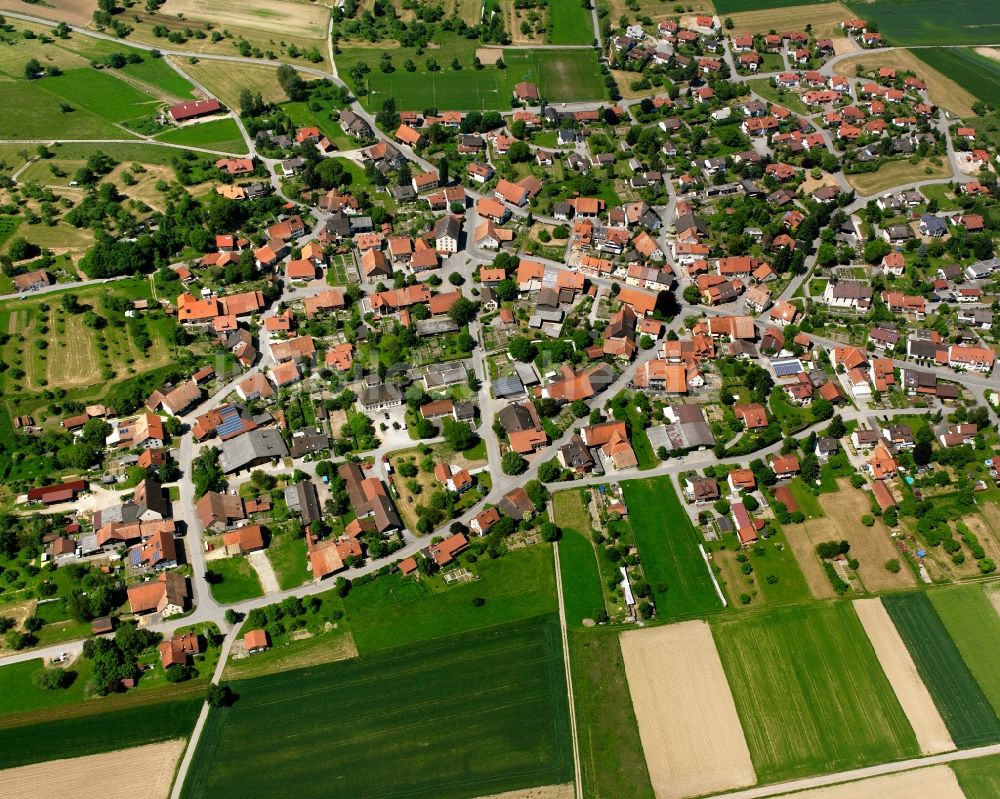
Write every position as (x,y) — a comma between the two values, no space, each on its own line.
(226,80)
(658,9)
(825,19)
(943,91)
(895,173)
(937,781)
(287,17)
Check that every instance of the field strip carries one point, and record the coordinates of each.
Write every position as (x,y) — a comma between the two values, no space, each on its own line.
(939,782)
(913,696)
(782,789)
(143,772)
(578,780)
(543,792)
(690,731)
(993,594)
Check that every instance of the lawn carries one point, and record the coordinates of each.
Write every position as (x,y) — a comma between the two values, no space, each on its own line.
(964,707)
(145,723)
(611,757)
(18,693)
(930,22)
(974,626)
(470,714)
(806,499)
(562,76)
(791,418)
(218,134)
(287,554)
(669,550)
(895,173)
(773,94)
(811,695)
(569,23)
(581,580)
(974,72)
(980,777)
(394,610)
(237,580)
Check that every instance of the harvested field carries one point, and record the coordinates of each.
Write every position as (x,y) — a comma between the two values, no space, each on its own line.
(913,696)
(990,539)
(810,184)
(825,19)
(943,91)
(306,20)
(144,772)
(324,648)
(936,781)
(75,12)
(800,540)
(545,792)
(688,724)
(226,80)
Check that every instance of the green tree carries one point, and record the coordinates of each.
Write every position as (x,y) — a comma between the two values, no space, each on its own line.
(512,463)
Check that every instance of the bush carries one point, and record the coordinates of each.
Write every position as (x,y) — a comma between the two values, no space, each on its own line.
(53,679)
(893,566)
(772,579)
(478,601)
(220,695)
(868,520)
(178,672)
(744,599)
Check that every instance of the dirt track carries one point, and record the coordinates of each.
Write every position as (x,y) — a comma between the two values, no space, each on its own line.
(690,732)
(144,772)
(938,782)
(932,735)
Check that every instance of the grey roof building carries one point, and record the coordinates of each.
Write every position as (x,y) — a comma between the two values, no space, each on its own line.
(302,499)
(251,449)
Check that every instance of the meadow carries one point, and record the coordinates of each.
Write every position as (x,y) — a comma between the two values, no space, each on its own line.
(974,626)
(811,695)
(979,777)
(960,700)
(393,610)
(737,6)
(582,594)
(569,23)
(931,22)
(895,173)
(477,714)
(218,134)
(669,550)
(611,756)
(972,71)
(233,580)
(31,112)
(141,723)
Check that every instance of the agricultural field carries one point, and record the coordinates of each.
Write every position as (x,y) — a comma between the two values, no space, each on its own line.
(737,6)
(226,80)
(393,610)
(942,87)
(770,558)
(937,781)
(896,173)
(690,731)
(657,9)
(797,674)
(975,71)
(611,759)
(562,76)
(218,134)
(69,732)
(581,580)
(761,16)
(979,777)
(973,624)
(233,580)
(409,721)
(930,22)
(569,23)
(670,557)
(32,112)
(141,771)
(964,707)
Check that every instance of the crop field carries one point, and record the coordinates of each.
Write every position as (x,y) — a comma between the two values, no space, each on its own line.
(611,758)
(226,80)
(581,579)
(938,782)
(562,76)
(475,713)
(301,19)
(139,723)
(810,693)
(979,777)
(964,707)
(736,6)
(103,94)
(569,23)
(976,71)
(970,620)
(219,134)
(669,550)
(760,16)
(930,22)
(657,9)
(392,610)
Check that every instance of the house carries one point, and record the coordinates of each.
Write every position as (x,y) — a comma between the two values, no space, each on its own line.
(182,112)
(753,415)
(848,294)
(30,281)
(255,641)
(301,498)
(882,465)
(368,497)
(243,539)
(179,650)
(746,530)
(485,520)
(785,466)
(516,504)
(826,446)
(701,490)
(933,226)
(741,480)
(447,232)
(444,552)
(218,511)
(526,92)
(254,448)
(167,595)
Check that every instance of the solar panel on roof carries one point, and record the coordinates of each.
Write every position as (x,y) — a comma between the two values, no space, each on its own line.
(786,368)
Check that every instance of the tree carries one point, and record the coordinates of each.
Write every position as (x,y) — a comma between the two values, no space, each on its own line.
(463,311)
(292,84)
(822,409)
(892,566)
(550,532)
(456,279)
(232,617)
(691,295)
(579,409)
(721,506)
(549,471)
(519,152)
(750,503)
(521,349)
(458,435)
(837,428)
(538,493)
(512,463)
(32,69)
(220,695)
(206,472)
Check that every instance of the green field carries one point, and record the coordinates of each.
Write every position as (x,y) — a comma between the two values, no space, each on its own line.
(562,76)
(287,554)
(98,91)
(157,72)
(569,23)
(611,757)
(974,626)
(931,22)
(392,610)
(218,134)
(466,715)
(144,723)
(963,706)
(236,580)
(810,693)
(31,112)
(18,693)
(980,777)
(669,550)
(580,579)
(735,6)
(974,72)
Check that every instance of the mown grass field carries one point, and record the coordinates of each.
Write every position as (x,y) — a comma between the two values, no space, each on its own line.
(972,71)
(470,714)
(960,700)
(31,112)
(980,777)
(896,173)
(581,580)
(392,610)
(90,734)
(234,580)
(18,693)
(668,547)
(810,692)
(569,23)
(974,626)
(931,22)
(219,134)
(611,757)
